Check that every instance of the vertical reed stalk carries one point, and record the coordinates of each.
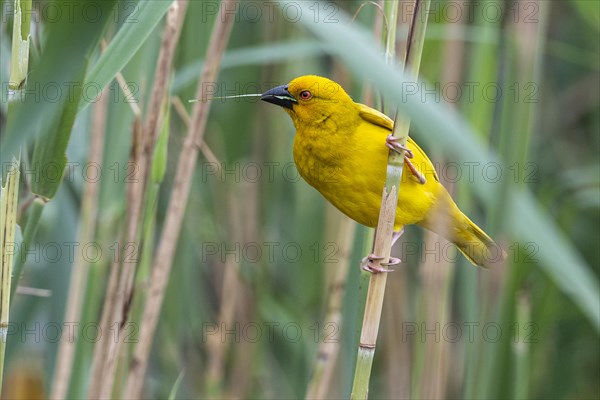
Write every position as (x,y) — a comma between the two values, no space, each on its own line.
(106,350)
(143,147)
(320,382)
(231,290)
(390,13)
(19,65)
(79,276)
(134,196)
(9,196)
(9,185)
(163,260)
(102,346)
(437,278)
(385,226)
(216,347)
(398,308)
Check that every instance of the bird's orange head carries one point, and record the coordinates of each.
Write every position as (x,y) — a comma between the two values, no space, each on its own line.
(312,99)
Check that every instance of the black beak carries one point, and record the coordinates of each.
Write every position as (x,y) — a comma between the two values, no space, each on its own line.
(280,96)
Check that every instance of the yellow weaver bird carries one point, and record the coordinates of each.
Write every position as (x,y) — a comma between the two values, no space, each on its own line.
(341,148)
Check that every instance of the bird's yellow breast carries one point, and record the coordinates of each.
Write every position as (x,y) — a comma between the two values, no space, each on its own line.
(347,165)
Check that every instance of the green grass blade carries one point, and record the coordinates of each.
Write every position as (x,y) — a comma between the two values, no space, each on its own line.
(556,254)
(54,87)
(126,43)
(175,388)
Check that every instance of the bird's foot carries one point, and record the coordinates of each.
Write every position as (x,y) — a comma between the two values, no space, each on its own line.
(420,177)
(392,143)
(368,264)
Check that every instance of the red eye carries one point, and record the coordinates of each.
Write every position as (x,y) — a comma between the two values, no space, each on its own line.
(305,95)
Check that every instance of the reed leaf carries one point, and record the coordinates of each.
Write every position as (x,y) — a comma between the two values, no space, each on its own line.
(55,115)
(126,43)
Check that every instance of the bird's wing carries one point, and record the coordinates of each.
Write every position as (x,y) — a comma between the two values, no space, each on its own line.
(378,118)
(375,117)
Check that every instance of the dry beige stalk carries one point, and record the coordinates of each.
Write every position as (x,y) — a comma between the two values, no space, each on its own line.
(321,382)
(79,276)
(120,296)
(102,347)
(118,314)
(187,120)
(163,260)
(231,289)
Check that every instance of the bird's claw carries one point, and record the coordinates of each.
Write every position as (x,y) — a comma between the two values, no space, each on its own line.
(420,177)
(392,143)
(391,262)
(368,264)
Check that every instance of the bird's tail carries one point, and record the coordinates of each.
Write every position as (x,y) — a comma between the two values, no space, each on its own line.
(477,246)
(448,221)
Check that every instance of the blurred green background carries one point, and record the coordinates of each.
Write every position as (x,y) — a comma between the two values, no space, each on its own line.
(259,248)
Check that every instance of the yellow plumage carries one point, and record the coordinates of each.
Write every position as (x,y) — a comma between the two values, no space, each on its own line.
(339,149)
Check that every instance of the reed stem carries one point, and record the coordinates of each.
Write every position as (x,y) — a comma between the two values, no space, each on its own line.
(8,222)
(9,196)
(163,260)
(385,226)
